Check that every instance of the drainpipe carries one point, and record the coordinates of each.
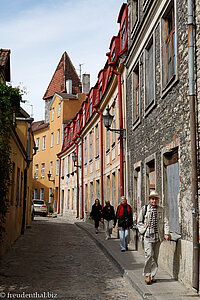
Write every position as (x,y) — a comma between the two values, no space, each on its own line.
(192,100)
(59,185)
(28,161)
(101,152)
(77,196)
(121,134)
(82,208)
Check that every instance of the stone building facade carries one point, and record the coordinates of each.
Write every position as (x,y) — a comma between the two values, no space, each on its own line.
(158,128)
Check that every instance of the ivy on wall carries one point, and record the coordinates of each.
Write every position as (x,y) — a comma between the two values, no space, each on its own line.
(9,105)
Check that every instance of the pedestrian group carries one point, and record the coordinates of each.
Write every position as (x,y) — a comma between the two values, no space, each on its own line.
(152,225)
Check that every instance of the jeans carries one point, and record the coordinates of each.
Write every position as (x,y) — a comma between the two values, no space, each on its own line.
(151,257)
(108,227)
(124,235)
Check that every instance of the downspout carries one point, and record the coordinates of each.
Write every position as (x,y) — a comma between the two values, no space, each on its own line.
(77,195)
(82,208)
(101,152)
(192,100)
(59,186)
(121,134)
(28,161)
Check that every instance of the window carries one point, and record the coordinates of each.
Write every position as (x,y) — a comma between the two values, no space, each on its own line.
(58,136)
(57,167)
(107,141)
(113,189)
(35,193)
(90,106)
(44,142)
(136,94)
(137,190)
(91,152)
(36,171)
(42,170)
(149,74)
(52,114)
(66,138)
(50,194)
(150,176)
(97,140)
(52,139)
(113,126)
(77,125)
(38,144)
(85,149)
(21,189)
(71,134)
(108,188)
(123,36)
(83,117)
(100,90)
(171,184)
(63,167)
(41,194)
(113,55)
(86,197)
(168,47)
(17,191)
(59,109)
(98,189)
(72,199)
(51,167)
(91,192)
(68,198)
(68,158)
(134,13)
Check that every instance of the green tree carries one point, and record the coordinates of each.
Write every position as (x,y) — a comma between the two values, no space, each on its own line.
(9,105)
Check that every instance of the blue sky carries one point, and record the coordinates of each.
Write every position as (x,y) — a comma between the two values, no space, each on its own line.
(39,31)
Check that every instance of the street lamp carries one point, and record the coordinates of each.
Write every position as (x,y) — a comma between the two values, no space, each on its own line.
(107,121)
(49,177)
(74,158)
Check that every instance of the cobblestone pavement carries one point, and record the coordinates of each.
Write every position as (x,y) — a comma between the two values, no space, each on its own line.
(57,260)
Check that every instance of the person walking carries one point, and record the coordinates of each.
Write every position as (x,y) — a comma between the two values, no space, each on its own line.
(154,226)
(124,216)
(108,218)
(96,214)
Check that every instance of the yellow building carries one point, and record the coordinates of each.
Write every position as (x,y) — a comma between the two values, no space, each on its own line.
(21,142)
(63,99)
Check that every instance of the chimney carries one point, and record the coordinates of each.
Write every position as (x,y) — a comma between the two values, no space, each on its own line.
(69,86)
(85,83)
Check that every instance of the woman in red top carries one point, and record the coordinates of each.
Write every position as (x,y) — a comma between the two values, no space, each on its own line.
(125,221)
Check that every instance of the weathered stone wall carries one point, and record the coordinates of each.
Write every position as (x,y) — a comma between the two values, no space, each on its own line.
(166,123)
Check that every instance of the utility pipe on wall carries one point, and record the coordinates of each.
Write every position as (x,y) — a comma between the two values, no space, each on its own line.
(82,202)
(192,99)
(101,152)
(77,195)
(121,134)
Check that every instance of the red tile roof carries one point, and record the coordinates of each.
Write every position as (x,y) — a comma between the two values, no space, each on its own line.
(65,70)
(39,125)
(4,55)
(5,63)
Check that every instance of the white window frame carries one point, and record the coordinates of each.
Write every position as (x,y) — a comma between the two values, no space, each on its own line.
(38,144)
(52,114)
(52,139)
(59,109)
(44,142)
(42,170)
(58,136)
(36,171)
(57,167)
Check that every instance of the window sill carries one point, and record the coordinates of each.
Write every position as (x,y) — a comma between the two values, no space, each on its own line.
(107,151)
(149,108)
(136,123)
(169,86)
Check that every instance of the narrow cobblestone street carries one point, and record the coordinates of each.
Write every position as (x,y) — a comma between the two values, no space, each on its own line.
(55,259)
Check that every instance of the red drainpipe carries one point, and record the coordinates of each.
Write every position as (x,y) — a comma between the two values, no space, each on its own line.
(101,151)
(82,208)
(121,134)
(59,186)
(77,196)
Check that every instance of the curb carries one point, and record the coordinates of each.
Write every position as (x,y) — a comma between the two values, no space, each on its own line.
(143,293)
